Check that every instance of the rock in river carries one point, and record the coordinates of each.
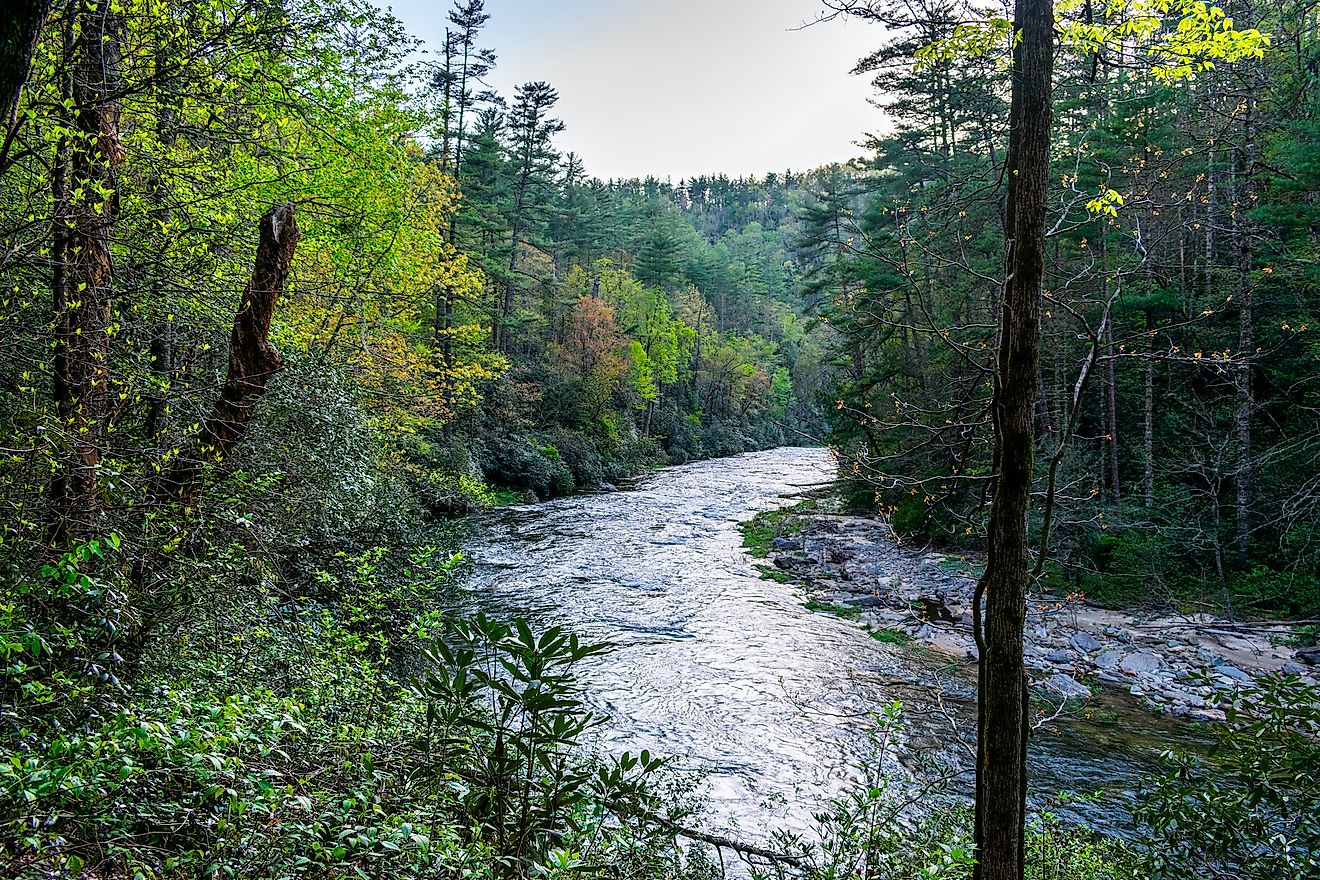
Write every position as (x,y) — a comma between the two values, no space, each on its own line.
(1084,643)
(1067,687)
(1140,663)
(1108,660)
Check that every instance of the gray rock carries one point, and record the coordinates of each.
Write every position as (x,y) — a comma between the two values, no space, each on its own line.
(1236,674)
(1309,656)
(1067,687)
(1059,656)
(1108,660)
(790,562)
(1140,664)
(1294,669)
(1084,643)
(787,543)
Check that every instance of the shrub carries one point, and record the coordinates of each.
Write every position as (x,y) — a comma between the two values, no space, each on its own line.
(1250,808)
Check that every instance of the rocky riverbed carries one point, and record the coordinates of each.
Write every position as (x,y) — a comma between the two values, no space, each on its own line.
(1185,666)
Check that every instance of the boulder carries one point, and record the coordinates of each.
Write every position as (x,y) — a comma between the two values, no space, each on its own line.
(1108,660)
(790,562)
(868,601)
(1140,663)
(1310,656)
(1059,656)
(1067,687)
(1084,643)
(784,543)
(1232,672)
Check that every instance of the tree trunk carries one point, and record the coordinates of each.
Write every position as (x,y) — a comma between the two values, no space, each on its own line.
(1245,199)
(84,277)
(1111,411)
(252,361)
(1001,766)
(1148,435)
(18,43)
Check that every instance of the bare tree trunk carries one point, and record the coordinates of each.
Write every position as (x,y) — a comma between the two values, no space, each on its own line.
(1111,411)
(86,208)
(252,361)
(1245,197)
(1148,434)
(1002,722)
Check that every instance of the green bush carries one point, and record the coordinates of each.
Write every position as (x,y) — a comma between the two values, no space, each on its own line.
(332,734)
(1287,593)
(1250,808)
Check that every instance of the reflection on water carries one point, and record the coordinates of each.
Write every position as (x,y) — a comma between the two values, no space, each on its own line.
(728,671)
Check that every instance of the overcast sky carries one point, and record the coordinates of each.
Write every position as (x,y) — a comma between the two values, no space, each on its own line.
(675,88)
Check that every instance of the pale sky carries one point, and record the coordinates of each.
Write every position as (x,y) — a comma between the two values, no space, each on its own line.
(675,88)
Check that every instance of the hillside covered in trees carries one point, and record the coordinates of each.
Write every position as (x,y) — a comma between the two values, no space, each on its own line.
(286,294)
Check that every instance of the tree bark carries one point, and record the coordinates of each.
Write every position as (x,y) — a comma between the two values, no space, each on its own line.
(83,283)
(252,361)
(1003,723)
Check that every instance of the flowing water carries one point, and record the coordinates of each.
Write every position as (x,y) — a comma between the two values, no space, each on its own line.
(727,671)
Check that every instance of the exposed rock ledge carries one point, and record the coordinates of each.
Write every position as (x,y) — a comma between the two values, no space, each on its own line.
(1184,666)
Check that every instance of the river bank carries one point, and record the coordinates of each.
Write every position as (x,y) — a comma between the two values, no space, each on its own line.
(1187,667)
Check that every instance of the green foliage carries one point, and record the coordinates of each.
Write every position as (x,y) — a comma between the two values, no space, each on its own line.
(1251,807)
(291,740)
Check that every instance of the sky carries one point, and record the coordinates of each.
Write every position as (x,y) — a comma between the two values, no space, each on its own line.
(676,88)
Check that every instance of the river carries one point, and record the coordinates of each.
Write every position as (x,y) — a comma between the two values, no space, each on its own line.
(727,671)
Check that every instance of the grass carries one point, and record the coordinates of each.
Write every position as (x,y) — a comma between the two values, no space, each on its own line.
(760,531)
(847,612)
(891,637)
(770,573)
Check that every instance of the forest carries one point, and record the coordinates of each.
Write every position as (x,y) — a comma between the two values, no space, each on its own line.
(292,298)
